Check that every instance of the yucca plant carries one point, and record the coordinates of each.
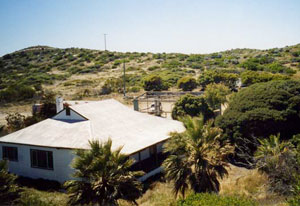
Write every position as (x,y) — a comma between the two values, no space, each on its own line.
(103,176)
(279,161)
(197,157)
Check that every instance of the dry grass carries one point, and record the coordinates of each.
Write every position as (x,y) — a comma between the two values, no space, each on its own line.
(251,184)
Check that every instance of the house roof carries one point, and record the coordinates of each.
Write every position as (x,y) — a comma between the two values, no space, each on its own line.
(105,119)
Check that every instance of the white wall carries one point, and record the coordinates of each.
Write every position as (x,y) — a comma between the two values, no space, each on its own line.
(61,163)
(73,116)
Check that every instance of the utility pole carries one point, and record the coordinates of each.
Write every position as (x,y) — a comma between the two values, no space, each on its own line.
(124,79)
(104,42)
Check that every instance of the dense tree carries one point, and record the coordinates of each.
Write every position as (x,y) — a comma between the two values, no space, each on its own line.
(187,83)
(260,111)
(193,106)
(154,83)
(197,157)
(215,95)
(103,176)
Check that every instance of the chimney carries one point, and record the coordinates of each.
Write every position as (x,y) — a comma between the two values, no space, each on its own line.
(59,104)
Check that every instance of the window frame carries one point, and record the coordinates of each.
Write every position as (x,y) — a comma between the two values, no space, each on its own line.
(15,152)
(48,155)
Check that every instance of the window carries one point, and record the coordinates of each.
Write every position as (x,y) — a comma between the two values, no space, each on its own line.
(41,159)
(10,153)
(68,112)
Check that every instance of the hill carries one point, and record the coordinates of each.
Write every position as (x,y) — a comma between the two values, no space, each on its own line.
(75,72)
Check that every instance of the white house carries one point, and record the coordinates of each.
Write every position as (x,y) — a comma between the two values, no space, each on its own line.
(45,150)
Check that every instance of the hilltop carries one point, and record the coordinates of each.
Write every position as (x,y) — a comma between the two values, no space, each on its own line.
(75,73)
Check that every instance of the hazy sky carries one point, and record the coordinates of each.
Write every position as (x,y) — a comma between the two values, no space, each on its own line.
(186,26)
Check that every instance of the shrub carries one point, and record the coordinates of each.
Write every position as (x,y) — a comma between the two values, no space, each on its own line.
(191,105)
(15,121)
(206,199)
(251,77)
(9,191)
(112,85)
(187,83)
(154,83)
(217,76)
(215,95)
(153,68)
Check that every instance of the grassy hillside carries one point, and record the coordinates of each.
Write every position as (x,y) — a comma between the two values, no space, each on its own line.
(75,72)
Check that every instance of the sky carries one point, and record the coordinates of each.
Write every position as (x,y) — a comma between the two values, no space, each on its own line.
(183,26)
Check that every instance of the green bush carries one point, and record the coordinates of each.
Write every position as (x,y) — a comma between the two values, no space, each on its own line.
(193,106)
(187,83)
(251,77)
(206,199)
(154,83)
(217,76)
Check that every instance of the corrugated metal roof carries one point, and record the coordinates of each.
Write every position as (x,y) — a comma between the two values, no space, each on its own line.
(106,119)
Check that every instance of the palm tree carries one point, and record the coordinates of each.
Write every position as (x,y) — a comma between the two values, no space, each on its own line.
(197,157)
(103,176)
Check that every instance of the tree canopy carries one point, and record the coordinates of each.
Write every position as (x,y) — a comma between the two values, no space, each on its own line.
(193,106)
(263,109)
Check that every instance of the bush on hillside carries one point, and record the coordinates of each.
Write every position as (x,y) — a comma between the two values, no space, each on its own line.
(17,92)
(187,83)
(154,83)
(211,199)
(15,121)
(217,76)
(251,77)
(193,106)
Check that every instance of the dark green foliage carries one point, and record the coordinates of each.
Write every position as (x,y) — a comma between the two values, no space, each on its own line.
(217,76)
(261,110)
(251,77)
(264,109)
(104,176)
(154,83)
(208,199)
(9,191)
(112,85)
(197,158)
(193,106)
(187,83)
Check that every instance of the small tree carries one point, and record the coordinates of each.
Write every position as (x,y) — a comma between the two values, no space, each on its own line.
(154,83)
(193,106)
(215,95)
(104,176)
(187,83)
(15,121)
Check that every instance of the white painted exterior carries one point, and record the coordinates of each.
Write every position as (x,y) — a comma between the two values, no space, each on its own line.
(62,159)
